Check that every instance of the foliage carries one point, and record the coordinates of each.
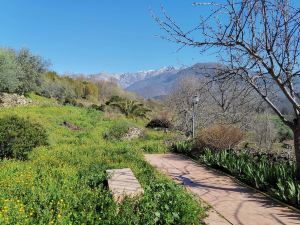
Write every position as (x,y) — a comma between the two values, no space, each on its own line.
(275,178)
(159,123)
(118,131)
(155,148)
(166,205)
(115,98)
(63,183)
(130,108)
(284,132)
(20,71)
(19,136)
(98,107)
(219,137)
(67,88)
(32,67)
(183,147)
(109,89)
(9,71)
(54,86)
(70,101)
(41,100)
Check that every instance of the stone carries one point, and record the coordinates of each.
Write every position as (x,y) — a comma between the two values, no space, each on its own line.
(133,132)
(11,100)
(123,183)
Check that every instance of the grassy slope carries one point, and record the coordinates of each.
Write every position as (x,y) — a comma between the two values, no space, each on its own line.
(62,183)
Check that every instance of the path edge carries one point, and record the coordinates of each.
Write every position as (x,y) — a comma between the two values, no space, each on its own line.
(239,182)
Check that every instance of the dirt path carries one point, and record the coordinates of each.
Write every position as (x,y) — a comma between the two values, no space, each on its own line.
(238,204)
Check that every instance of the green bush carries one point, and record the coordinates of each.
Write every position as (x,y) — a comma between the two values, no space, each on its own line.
(98,107)
(19,136)
(69,101)
(283,132)
(159,123)
(118,131)
(183,147)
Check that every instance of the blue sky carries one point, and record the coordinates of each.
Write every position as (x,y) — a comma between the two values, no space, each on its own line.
(96,35)
(89,36)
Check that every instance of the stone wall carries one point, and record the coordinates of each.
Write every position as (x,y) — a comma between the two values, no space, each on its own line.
(10,100)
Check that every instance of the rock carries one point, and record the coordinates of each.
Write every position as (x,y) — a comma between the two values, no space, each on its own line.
(134,132)
(11,100)
(122,183)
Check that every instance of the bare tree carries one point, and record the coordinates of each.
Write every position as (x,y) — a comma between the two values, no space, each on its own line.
(226,101)
(234,102)
(180,101)
(258,40)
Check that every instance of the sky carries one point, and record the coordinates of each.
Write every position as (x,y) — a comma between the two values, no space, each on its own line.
(89,36)
(92,36)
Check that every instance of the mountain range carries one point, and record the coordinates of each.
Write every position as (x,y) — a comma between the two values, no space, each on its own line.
(156,83)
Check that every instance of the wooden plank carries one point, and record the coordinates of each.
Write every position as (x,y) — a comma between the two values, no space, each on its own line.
(122,182)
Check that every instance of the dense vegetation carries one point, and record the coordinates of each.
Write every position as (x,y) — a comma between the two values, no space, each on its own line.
(20,71)
(118,131)
(67,89)
(130,108)
(19,136)
(62,183)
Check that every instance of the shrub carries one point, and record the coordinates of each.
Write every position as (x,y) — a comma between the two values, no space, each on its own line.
(183,147)
(219,137)
(159,123)
(155,148)
(118,131)
(70,101)
(283,132)
(19,136)
(98,107)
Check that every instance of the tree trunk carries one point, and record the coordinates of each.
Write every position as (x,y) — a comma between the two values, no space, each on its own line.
(296,131)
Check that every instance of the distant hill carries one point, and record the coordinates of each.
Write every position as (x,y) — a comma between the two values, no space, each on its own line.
(155,83)
(104,76)
(162,83)
(128,79)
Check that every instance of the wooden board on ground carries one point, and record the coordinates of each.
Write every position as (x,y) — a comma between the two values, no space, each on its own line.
(122,182)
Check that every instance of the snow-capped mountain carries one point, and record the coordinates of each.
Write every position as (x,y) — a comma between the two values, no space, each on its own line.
(162,83)
(127,79)
(155,83)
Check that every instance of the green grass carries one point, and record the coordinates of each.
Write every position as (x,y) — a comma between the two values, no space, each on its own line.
(63,183)
(37,99)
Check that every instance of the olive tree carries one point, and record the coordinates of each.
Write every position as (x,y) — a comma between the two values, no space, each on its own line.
(32,68)
(10,71)
(20,71)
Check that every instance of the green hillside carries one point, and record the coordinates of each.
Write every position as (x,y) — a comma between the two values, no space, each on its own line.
(62,183)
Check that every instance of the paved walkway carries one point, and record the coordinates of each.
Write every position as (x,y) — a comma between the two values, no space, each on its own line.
(238,204)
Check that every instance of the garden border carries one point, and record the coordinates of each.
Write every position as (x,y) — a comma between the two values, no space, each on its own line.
(242,183)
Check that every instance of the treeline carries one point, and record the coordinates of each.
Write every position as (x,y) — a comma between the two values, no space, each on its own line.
(22,72)
(66,88)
